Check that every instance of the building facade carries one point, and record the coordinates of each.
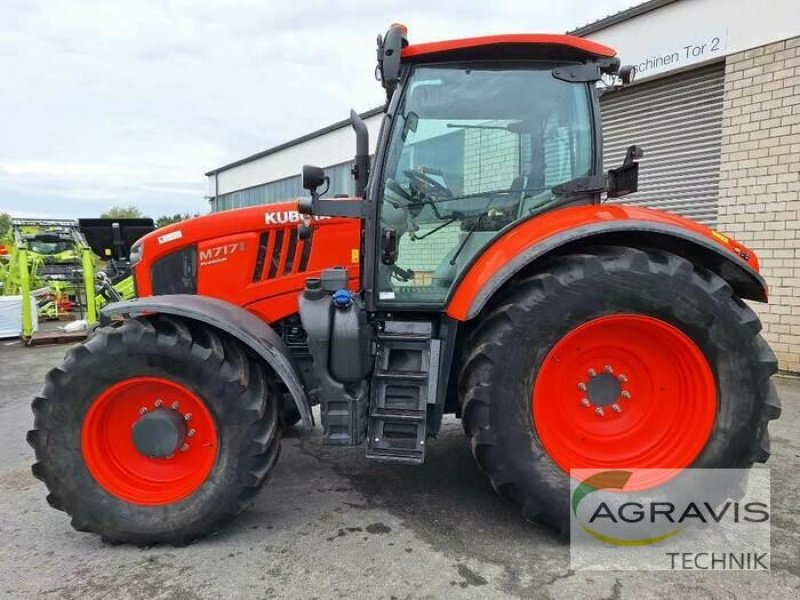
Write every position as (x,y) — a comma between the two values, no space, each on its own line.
(715,106)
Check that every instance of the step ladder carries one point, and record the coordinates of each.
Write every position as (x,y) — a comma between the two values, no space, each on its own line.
(404,380)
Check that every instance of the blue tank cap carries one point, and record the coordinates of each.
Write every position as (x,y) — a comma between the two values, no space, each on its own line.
(342,298)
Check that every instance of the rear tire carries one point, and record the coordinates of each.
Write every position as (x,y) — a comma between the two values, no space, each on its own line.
(239,400)
(508,349)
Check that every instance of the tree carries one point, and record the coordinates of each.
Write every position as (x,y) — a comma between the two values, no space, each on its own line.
(122,212)
(164,220)
(5,224)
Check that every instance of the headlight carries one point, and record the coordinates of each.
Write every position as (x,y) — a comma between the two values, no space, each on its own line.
(136,253)
(175,273)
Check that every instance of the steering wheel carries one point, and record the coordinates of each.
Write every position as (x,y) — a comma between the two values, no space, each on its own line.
(427,184)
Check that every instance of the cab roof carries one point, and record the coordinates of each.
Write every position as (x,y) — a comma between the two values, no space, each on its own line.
(511,46)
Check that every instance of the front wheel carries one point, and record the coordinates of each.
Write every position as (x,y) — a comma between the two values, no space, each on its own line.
(615,359)
(159,430)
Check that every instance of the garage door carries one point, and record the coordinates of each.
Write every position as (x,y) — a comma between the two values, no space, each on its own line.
(677,121)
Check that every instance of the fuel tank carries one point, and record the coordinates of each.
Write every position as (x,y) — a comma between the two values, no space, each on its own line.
(253,257)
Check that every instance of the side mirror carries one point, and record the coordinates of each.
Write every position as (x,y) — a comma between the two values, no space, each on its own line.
(313,177)
(625,179)
(390,47)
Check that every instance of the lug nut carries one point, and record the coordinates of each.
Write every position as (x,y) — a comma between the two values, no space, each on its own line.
(174,405)
(626,394)
(188,416)
(582,387)
(143,411)
(599,411)
(592,373)
(184,448)
(191,433)
(615,407)
(608,369)
(585,402)
(622,378)
(158,403)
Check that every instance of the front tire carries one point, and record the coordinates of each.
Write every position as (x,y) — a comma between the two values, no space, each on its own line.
(542,387)
(199,383)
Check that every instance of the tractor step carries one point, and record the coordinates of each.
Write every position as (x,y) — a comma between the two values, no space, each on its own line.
(400,389)
(402,375)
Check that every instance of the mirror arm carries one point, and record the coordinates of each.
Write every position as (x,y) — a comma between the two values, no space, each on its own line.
(332,207)
(361,163)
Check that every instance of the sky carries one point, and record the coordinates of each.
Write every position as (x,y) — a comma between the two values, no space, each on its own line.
(129,102)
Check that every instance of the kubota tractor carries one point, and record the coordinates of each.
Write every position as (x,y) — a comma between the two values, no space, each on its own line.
(475,271)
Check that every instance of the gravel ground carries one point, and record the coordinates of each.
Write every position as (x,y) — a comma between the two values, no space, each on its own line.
(331,524)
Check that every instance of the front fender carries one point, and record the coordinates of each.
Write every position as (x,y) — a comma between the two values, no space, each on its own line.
(233,320)
(533,239)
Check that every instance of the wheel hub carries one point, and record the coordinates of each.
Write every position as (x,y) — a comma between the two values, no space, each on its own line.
(160,433)
(603,390)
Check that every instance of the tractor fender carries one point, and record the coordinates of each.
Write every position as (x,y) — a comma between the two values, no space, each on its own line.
(578,227)
(233,320)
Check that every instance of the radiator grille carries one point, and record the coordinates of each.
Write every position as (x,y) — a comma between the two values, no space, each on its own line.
(281,253)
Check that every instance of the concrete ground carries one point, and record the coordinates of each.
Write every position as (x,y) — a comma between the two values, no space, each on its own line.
(330,524)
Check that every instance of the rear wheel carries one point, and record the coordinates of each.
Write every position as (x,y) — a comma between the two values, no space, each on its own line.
(620,358)
(158,430)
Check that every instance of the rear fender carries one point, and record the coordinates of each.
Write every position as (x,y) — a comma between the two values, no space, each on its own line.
(579,227)
(233,320)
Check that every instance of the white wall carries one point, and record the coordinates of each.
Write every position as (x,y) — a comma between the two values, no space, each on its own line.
(332,148)
(675,36)
(691,32)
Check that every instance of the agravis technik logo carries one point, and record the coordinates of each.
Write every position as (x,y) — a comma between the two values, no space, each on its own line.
(670,519)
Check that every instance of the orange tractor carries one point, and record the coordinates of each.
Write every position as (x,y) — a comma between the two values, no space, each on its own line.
(475,271)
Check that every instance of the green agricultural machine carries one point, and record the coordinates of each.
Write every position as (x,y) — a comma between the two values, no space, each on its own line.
(50,258)
(55,262)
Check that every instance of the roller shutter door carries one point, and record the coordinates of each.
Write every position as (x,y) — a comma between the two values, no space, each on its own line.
(677,121)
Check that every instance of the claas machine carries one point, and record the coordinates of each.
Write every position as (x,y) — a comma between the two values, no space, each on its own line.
(52,255)
(476,270)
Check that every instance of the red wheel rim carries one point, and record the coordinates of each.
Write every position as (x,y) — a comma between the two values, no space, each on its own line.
(118,466)
(664,396)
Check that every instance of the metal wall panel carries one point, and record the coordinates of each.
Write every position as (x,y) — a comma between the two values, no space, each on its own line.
(677,121)
(285,189)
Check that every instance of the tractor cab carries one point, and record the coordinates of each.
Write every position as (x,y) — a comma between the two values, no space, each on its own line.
(479,134)
(474,147)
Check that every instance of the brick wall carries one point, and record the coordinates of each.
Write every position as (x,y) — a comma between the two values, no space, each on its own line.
(491,161)
(425,255)
(759,201)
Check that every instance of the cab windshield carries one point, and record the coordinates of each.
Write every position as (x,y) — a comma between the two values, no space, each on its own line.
(473,149)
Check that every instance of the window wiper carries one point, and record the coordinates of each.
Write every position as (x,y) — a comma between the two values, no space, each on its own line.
(461,245)
(487,193)
(451,220)
(513,127)
(469,234)
(468,126)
